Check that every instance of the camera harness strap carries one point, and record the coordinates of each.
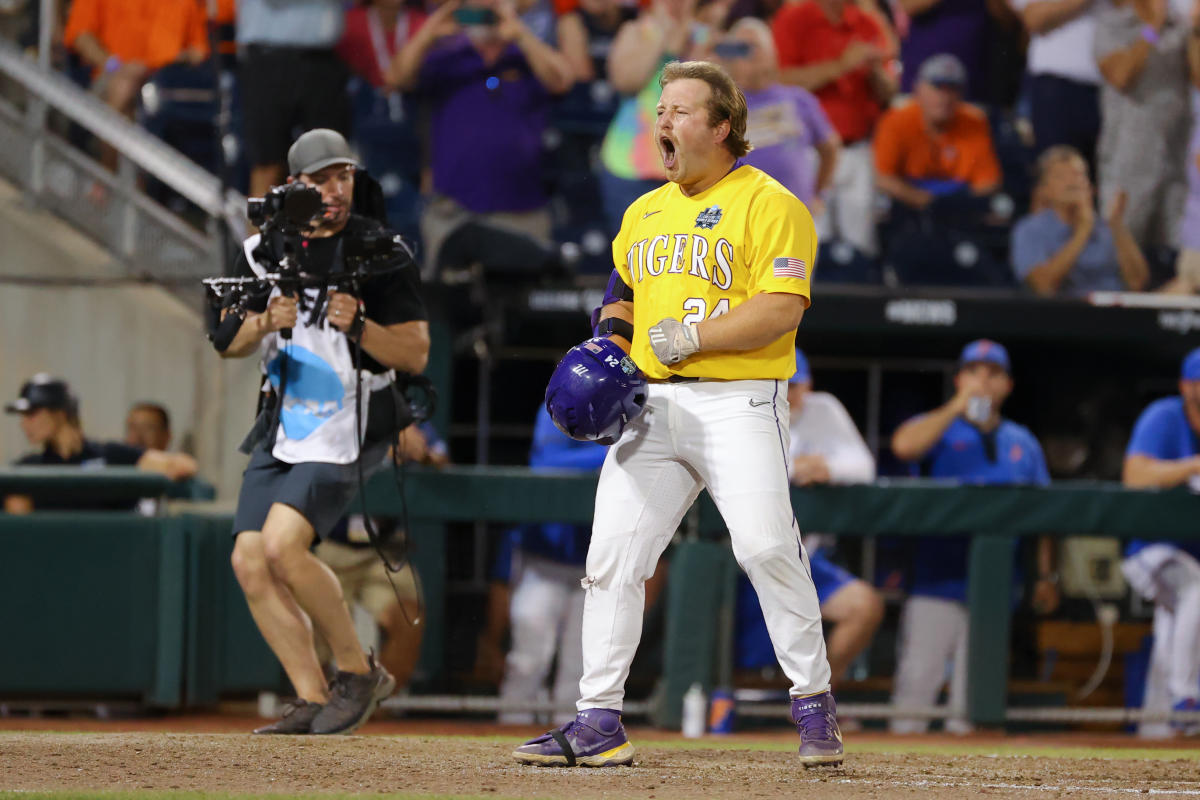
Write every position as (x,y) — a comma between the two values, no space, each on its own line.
(397,473)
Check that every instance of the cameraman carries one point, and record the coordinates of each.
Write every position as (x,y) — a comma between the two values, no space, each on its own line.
(303,470)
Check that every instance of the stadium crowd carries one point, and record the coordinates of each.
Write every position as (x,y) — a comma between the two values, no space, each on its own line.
(1041,144)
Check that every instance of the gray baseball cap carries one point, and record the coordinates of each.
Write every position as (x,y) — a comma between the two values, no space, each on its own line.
(317,149)
(944,71)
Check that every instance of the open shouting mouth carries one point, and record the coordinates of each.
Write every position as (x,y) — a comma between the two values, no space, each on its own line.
(667,147)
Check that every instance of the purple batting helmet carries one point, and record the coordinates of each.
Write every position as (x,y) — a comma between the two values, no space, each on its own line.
(595,391)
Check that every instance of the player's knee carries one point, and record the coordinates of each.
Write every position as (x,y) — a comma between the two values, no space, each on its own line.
(250,564)
(866,603)
(617,562)
(776,563)
(280,554)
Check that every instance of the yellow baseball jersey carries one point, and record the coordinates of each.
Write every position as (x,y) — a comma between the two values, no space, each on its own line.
(696,258)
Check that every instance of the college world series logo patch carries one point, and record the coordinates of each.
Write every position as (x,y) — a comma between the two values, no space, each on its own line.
(709,217)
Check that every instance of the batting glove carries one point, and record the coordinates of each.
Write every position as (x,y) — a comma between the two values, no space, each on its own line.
(673,341)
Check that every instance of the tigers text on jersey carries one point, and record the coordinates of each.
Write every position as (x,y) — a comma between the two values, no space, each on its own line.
(696,258)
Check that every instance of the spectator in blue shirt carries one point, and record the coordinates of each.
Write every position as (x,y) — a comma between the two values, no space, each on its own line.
(1062,248)
(1163,452)
(546,612)
(965,439)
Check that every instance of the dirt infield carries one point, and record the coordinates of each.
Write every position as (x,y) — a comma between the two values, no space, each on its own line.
(667,768)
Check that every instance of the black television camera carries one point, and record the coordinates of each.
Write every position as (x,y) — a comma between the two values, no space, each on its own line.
(282,216)
(291,207)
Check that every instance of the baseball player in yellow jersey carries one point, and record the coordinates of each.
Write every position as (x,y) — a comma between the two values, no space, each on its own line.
(712,278)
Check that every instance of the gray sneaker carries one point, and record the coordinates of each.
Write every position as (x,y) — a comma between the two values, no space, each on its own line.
(352,698)
(297,718)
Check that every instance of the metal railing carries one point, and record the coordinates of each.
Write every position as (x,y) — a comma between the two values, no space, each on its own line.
(150,241)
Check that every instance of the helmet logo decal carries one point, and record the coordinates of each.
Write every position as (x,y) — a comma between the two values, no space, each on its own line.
(595,391)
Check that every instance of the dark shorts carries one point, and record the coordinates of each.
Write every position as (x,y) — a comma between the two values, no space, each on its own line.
(321,492)
(285,89)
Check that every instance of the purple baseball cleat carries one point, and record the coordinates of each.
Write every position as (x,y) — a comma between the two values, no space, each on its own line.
(596,738)
(816,722)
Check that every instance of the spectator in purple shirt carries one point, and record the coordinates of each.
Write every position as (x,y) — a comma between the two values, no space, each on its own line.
(488,79)
(958,27)
(786,123)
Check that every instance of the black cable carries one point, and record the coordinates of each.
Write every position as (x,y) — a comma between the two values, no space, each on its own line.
(368,521)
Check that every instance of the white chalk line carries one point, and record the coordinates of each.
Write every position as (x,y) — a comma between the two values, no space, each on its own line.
(950,783)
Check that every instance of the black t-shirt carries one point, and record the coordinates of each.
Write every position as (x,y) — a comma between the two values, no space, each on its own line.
(93,454)
(390,298)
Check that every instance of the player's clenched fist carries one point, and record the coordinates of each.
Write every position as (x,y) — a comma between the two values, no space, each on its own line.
(673,341)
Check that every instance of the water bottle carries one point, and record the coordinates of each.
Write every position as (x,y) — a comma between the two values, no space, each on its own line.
(694,707)
(979,409)
(269,706)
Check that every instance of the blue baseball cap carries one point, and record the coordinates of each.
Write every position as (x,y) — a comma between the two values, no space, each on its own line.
(985,350)
(803,374)
(1191,366)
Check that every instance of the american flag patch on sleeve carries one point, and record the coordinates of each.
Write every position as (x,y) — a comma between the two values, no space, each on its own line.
(789,268)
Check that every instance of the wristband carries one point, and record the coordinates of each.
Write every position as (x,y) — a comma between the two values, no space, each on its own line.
(615,325)
(112,64)
(1150,35)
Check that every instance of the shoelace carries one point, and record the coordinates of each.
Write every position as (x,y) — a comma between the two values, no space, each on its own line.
(569,727)
(340,686)
(816,726)
(292,708)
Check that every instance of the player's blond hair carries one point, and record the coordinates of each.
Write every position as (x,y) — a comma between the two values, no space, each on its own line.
(725,103)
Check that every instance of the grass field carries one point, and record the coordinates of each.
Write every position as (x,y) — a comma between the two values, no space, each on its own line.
(401,762)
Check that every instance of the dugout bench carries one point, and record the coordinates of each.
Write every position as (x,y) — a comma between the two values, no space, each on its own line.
(163,619)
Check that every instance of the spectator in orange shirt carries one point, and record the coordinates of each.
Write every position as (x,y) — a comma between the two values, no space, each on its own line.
(124,41)
(936,145)
(841,51)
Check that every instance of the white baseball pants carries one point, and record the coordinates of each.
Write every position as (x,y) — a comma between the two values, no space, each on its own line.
(546,614)
(730,437)
(932,642)
(1170,578)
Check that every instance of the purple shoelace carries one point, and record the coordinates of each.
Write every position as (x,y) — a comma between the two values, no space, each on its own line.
(818,725)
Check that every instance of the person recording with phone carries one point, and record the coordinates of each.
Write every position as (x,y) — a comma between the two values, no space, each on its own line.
(965,439)
(488,80)
(329,356)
